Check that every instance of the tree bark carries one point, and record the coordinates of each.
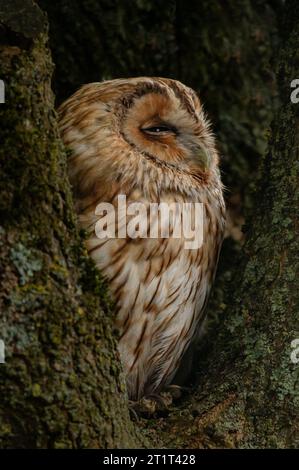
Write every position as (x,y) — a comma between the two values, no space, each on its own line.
(61,385)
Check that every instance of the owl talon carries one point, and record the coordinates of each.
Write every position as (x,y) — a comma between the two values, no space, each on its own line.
(145,407)
(156,403)
(176,391)
(132,411)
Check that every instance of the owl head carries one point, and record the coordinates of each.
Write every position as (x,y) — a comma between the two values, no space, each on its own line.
(109,124)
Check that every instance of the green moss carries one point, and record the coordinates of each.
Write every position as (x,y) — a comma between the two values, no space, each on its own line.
(36,390)
(55,310)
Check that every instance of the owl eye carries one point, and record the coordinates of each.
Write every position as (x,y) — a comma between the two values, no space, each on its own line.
(159,130)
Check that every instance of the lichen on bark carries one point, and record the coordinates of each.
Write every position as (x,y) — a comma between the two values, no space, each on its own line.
(61,385)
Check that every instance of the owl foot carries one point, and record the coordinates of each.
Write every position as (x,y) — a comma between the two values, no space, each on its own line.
(156,404)
(150,406)
(176,391)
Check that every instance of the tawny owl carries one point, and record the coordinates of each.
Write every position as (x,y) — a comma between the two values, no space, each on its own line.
(147,139)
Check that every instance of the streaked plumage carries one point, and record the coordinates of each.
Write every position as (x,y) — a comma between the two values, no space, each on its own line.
(160,287)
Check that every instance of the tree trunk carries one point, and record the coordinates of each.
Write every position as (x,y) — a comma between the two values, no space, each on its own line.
(248,388)
(61,385)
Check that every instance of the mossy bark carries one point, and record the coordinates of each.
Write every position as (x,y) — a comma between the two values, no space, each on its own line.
(248,389)
(61,384)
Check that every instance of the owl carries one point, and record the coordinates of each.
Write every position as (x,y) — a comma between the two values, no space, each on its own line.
(148,140)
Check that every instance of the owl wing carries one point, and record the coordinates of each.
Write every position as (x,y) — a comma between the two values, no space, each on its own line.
(161,290)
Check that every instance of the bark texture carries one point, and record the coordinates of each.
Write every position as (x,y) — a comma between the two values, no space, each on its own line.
(61,385)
